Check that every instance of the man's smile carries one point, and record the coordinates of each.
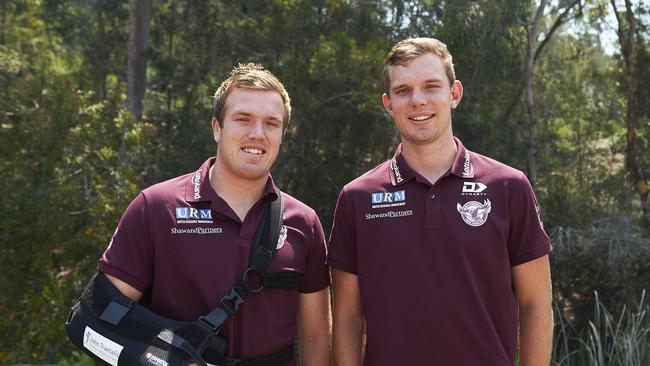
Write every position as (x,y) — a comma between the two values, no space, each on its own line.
(253,150)
(421,117)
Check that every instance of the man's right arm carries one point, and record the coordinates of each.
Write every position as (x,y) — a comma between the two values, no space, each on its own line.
(126,289)
(348,319)
(130,254)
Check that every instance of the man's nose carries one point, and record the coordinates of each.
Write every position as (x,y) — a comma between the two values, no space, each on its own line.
(257,130)
(418,97)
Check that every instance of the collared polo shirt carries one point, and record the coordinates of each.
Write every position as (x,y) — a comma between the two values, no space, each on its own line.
(183,247)
(434,260)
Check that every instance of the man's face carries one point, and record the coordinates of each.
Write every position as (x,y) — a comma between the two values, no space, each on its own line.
(249,141)
(420,100)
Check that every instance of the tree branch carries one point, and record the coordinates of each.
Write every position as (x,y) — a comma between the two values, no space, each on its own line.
(559,21)
(619,22)
(333,97)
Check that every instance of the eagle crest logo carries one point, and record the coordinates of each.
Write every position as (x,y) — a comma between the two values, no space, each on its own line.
(474,213)
(282,237)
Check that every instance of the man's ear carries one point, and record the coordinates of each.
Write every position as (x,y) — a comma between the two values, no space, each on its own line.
(456,93)
(216,129)
(385,99)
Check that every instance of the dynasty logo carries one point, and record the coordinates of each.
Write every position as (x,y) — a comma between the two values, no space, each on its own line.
(473,189)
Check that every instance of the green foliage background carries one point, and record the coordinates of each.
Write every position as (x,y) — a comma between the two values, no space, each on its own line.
(72,158)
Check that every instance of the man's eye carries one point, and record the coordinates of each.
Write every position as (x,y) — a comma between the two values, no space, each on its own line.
(401,91)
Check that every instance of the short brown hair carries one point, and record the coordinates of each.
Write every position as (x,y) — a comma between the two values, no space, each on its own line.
(407,50)
(250,76)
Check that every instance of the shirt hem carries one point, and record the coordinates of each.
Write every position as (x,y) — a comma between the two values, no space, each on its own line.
(532,255)
(314,288)
(343,266)
(123,276)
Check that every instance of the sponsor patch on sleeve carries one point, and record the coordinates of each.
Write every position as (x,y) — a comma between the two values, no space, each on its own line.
(539,216)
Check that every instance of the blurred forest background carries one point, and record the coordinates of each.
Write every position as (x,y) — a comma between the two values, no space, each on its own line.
(99,99)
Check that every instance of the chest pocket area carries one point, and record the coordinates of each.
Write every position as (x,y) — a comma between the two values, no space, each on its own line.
(386,244)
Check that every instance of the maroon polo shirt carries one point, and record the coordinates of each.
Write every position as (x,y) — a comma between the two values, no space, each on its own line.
(434,261)
(183,247)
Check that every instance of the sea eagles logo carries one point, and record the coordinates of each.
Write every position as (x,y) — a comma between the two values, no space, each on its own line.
(474,213)
(282,237)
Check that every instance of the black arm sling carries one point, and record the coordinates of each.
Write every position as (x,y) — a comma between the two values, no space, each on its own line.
(115,330)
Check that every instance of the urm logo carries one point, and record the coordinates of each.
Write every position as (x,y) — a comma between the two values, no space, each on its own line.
(182,212)
(388,197)
(193,213)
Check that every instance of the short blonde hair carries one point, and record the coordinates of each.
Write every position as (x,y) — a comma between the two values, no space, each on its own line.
(250,76)
(407,50)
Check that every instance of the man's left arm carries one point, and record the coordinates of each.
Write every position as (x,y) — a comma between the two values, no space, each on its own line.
(532,284)
(315,328)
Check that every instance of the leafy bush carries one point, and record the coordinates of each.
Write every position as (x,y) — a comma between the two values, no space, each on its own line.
(610,256)
(63,196)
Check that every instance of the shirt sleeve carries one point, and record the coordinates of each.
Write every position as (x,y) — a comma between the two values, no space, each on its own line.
(527,239)
(343,245)
(317,275)
(129,255)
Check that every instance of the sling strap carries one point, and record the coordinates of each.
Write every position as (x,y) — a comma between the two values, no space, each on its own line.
(262,252)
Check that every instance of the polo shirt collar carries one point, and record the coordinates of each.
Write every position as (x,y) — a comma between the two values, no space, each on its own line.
(198,187)
(400,172)
(462,166)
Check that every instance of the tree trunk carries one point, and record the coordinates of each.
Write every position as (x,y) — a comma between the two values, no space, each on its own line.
(532,52)
(170,53)
(140,13)
(626,35)
(3,22)
(531,155)
(101,50)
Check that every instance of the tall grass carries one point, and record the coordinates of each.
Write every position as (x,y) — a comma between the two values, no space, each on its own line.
(608,340)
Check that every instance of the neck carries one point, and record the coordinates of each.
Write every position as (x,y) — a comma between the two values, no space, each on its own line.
(240,194)
(431,160)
